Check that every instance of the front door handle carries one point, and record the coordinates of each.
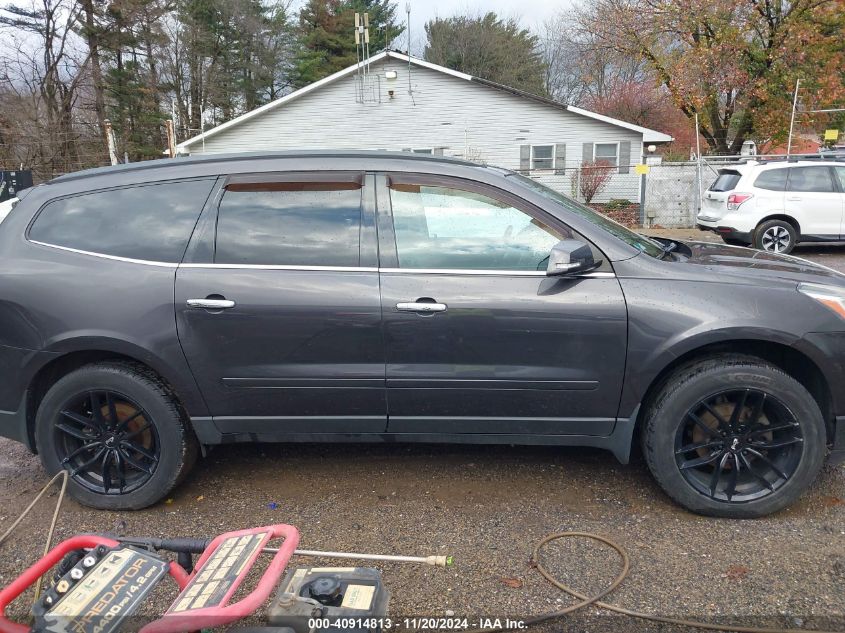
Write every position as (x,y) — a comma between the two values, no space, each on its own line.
(421,306)
(211,304)
(794,198)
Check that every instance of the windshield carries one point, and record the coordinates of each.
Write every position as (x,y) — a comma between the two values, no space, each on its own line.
(640,242)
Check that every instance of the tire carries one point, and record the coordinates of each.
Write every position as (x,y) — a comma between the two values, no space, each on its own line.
(143,456)
(795,447)
(775,236)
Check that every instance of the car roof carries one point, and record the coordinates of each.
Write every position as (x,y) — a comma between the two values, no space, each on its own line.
(793,162)
(240,157)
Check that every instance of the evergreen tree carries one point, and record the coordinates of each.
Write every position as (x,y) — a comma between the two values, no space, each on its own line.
(488,47)
(327,38)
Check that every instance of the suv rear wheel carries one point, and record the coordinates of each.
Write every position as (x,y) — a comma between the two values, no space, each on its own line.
(733,436)
(776,236)
(119,433)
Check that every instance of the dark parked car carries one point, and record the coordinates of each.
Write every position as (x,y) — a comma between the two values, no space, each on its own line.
(149,309)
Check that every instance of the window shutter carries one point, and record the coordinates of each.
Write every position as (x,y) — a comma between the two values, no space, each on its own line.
(624,157)
(525,158)
(560,158)
(438,151)
(587,153)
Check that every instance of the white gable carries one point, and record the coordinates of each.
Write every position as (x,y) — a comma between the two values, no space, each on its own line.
(445,112)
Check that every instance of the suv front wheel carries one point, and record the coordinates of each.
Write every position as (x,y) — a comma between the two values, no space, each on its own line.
(732,436)
(776,236)
(118,431)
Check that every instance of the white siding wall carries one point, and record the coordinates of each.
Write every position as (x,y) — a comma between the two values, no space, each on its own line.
(462,118)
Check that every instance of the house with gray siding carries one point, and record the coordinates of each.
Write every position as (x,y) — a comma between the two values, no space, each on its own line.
(402,103)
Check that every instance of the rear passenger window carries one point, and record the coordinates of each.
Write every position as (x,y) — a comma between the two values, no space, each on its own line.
(149,222)
(840,173)
(810,179)
(774,180)
(289,224)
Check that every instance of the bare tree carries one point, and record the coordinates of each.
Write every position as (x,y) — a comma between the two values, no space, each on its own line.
(45,67)
(580,68)
(593,178)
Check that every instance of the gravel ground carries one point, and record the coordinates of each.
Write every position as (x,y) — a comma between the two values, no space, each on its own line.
(487,506)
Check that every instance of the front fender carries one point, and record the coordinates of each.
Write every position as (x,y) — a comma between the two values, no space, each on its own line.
(645,363)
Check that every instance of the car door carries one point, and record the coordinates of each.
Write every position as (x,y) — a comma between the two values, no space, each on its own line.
(277,306)
(813,199)
(478,339)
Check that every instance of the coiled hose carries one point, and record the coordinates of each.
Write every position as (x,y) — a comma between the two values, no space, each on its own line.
(596,600)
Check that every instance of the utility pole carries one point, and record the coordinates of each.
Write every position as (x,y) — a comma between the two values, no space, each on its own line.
(792,119)
(171,138)
(110,141)
(698,162)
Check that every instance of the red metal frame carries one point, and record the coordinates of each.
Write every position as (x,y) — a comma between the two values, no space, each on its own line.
(225,613)
(172,623)
(28,578)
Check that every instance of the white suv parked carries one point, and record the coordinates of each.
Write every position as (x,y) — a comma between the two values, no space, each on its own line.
(774,205)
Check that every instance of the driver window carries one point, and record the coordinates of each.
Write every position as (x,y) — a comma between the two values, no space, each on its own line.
(446,228)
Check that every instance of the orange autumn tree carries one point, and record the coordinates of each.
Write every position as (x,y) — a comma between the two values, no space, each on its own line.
(732,63)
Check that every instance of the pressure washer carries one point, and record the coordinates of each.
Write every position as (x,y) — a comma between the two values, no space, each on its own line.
(99,582)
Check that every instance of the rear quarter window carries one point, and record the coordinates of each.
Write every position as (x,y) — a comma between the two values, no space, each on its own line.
(726,181)
(147,222)
(773,180)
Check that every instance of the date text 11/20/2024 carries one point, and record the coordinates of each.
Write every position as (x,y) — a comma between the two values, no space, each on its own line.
(417,624)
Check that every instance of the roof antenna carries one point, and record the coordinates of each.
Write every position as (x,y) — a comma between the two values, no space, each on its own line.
(362,54)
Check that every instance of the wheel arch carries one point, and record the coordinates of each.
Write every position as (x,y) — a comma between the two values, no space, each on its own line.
(64,363)
(785,357)
(783,217)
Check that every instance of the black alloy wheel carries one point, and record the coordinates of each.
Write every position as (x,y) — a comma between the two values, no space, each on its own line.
(731,435)
(119,431)
(107,442)
(738,445)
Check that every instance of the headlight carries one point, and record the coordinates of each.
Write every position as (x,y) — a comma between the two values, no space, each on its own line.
(829,296)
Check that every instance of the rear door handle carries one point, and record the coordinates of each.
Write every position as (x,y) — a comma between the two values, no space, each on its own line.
(421,306)
(211,304)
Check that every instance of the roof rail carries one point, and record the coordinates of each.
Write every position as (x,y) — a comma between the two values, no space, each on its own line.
(164,163)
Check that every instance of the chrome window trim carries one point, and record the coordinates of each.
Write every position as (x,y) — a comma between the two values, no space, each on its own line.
(116,258)
(499,273)
(356,269)
(404,271)
(340,269)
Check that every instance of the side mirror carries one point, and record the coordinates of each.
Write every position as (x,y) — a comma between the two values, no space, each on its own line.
(570,256)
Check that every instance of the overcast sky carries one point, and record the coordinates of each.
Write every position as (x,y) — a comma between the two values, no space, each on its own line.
(531,13)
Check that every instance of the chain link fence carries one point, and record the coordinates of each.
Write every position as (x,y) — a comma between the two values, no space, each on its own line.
(667,196)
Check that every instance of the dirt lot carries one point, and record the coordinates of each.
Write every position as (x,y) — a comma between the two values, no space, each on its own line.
(487,506)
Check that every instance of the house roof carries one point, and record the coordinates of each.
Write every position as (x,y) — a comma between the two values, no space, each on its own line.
(649,136)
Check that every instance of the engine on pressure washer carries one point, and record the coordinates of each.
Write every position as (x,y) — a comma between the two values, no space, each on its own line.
(330,599)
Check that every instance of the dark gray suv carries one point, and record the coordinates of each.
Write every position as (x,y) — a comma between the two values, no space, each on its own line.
(150,309)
